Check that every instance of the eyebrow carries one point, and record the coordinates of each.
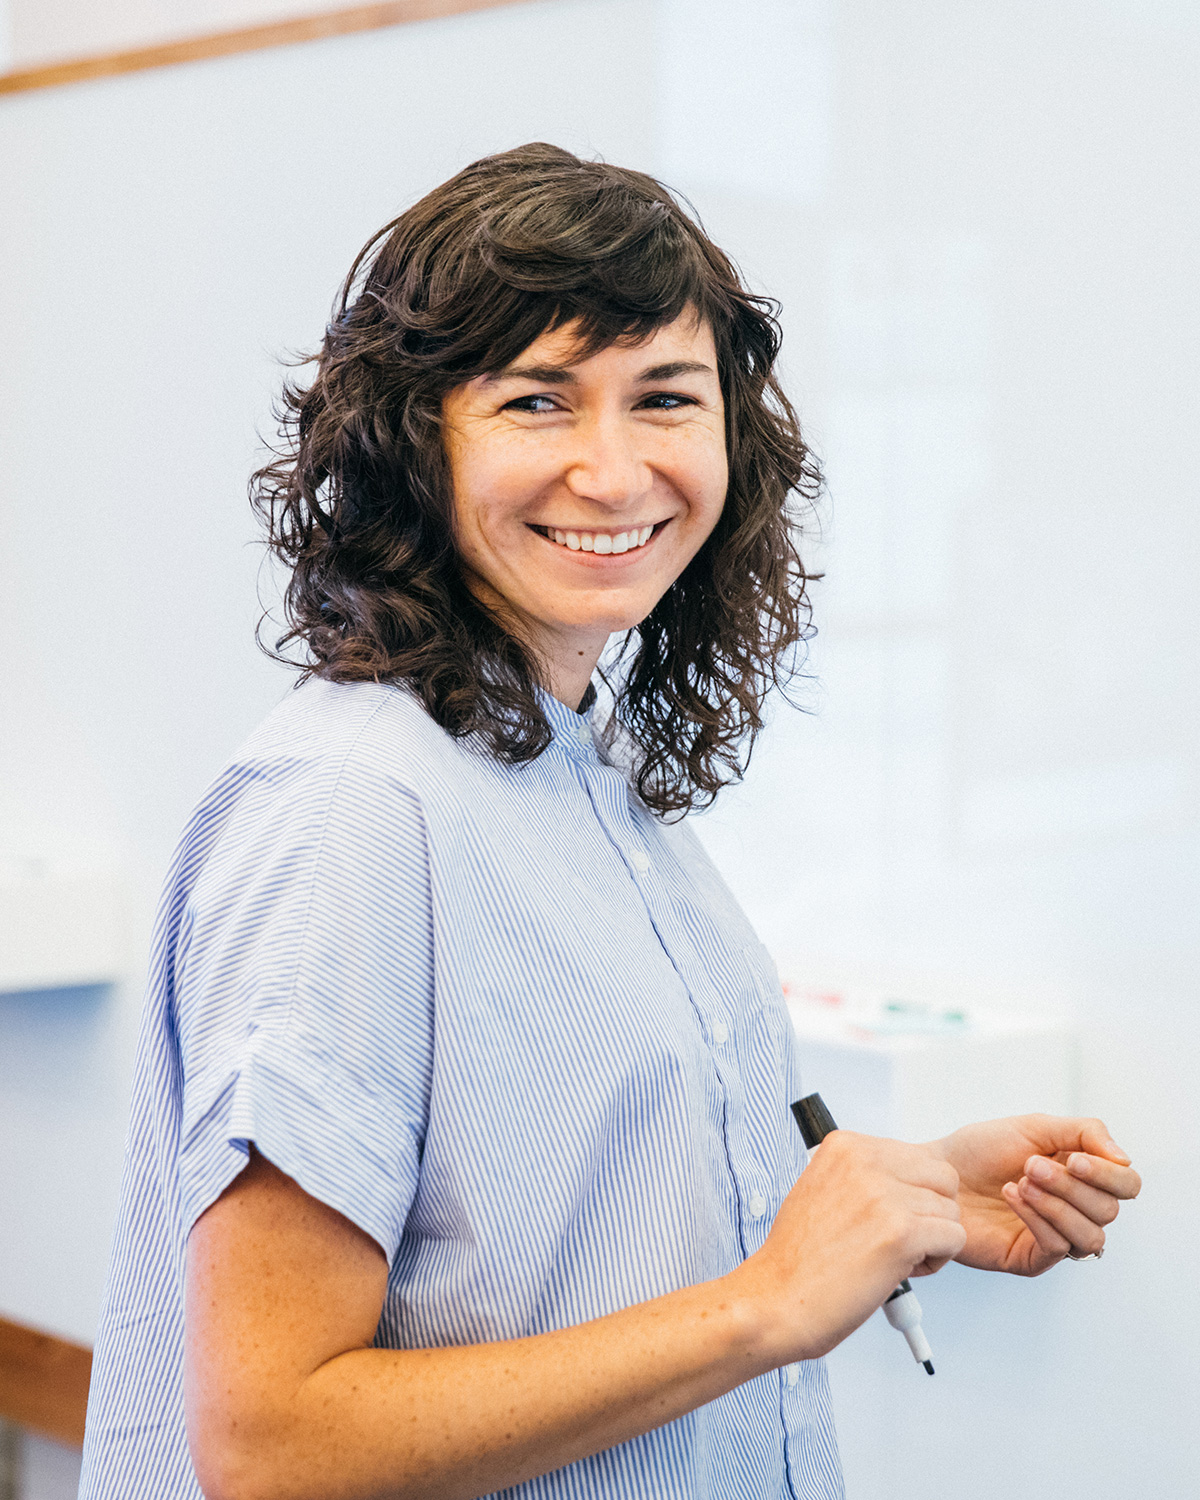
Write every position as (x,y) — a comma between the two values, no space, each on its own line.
(563,375)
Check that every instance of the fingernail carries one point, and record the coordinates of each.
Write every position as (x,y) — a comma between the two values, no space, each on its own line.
(1112,1149)
(1079,1164)
(1039,1169)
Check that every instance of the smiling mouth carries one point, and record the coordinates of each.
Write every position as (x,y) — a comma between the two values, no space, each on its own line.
(602,542)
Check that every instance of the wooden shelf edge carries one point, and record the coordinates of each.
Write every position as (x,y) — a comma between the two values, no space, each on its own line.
(44,1382)
(309,28)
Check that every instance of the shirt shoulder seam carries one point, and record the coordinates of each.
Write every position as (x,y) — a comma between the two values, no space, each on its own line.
(289,1008)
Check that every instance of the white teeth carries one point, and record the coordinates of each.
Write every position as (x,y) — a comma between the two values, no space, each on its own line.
(601,541)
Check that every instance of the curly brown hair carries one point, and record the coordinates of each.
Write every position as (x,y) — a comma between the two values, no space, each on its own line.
(357,499)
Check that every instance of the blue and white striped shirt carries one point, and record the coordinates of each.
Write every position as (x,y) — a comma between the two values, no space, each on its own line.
(501,1018)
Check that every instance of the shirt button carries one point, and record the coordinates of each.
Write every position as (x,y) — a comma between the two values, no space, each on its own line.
(757,1206)
(793,1374)
(640,862)
(720,1033)
(583,733)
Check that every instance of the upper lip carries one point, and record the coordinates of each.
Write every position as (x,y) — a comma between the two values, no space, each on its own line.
(596,530)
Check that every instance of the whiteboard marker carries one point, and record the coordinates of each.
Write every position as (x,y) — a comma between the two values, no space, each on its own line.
(902,1310)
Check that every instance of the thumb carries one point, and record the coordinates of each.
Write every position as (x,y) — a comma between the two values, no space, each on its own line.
(1055,1133)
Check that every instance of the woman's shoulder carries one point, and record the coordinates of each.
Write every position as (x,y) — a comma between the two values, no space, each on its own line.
(329,739)
(324,725)
(331,759)
(318,805)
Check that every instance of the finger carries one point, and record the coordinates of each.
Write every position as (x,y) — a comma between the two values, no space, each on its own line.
(940,1240)
(930,1204)
(917,1166)
(1052,1177)
(922,1169)
(931,1265)
(928,1229)
(1083,1237)
(1044,1233)
(1056,1134)
(1096,1139)
(1108,1176)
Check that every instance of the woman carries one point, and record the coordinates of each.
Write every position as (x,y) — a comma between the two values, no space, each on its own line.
(461,1159)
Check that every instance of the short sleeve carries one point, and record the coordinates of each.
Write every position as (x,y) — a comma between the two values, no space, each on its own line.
(303,992)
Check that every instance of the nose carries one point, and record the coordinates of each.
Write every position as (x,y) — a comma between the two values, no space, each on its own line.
(605,464)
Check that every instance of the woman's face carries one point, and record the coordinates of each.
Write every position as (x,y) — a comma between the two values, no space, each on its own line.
(583,488)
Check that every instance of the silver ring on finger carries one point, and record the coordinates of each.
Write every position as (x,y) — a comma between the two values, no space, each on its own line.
(1095,1255)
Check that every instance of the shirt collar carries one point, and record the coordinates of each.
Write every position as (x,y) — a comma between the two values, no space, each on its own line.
(573,731)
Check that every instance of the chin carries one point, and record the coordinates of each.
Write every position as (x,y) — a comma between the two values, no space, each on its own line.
(609,624)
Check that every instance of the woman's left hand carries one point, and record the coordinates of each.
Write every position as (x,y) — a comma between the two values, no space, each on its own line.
(1036,1188)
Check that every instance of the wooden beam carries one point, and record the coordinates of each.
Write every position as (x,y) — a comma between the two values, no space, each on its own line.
(247,39)
(44,1382)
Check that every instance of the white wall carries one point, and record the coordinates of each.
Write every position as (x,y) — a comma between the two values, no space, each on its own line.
(988,264)
(982,222)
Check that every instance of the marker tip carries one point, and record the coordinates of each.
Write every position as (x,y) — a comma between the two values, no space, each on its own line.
(928,1363)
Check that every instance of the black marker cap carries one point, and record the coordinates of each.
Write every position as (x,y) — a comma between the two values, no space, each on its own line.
(814,1119)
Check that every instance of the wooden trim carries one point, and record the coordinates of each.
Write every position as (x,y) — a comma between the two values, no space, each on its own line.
(44,1382)
(248,39)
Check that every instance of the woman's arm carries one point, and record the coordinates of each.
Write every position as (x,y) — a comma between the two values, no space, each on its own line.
(287,1400)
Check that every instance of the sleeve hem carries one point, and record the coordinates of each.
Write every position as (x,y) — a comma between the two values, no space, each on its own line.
(342,1152)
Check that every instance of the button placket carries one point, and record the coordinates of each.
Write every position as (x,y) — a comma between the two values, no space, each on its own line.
(661,901)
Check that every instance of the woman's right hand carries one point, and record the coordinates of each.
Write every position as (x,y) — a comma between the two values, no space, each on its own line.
(866,1213)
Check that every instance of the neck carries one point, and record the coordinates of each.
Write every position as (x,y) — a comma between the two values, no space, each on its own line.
(568,678)
(566,658)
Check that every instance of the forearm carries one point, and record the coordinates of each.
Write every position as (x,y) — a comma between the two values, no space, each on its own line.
(461,1422)
(286,1400)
